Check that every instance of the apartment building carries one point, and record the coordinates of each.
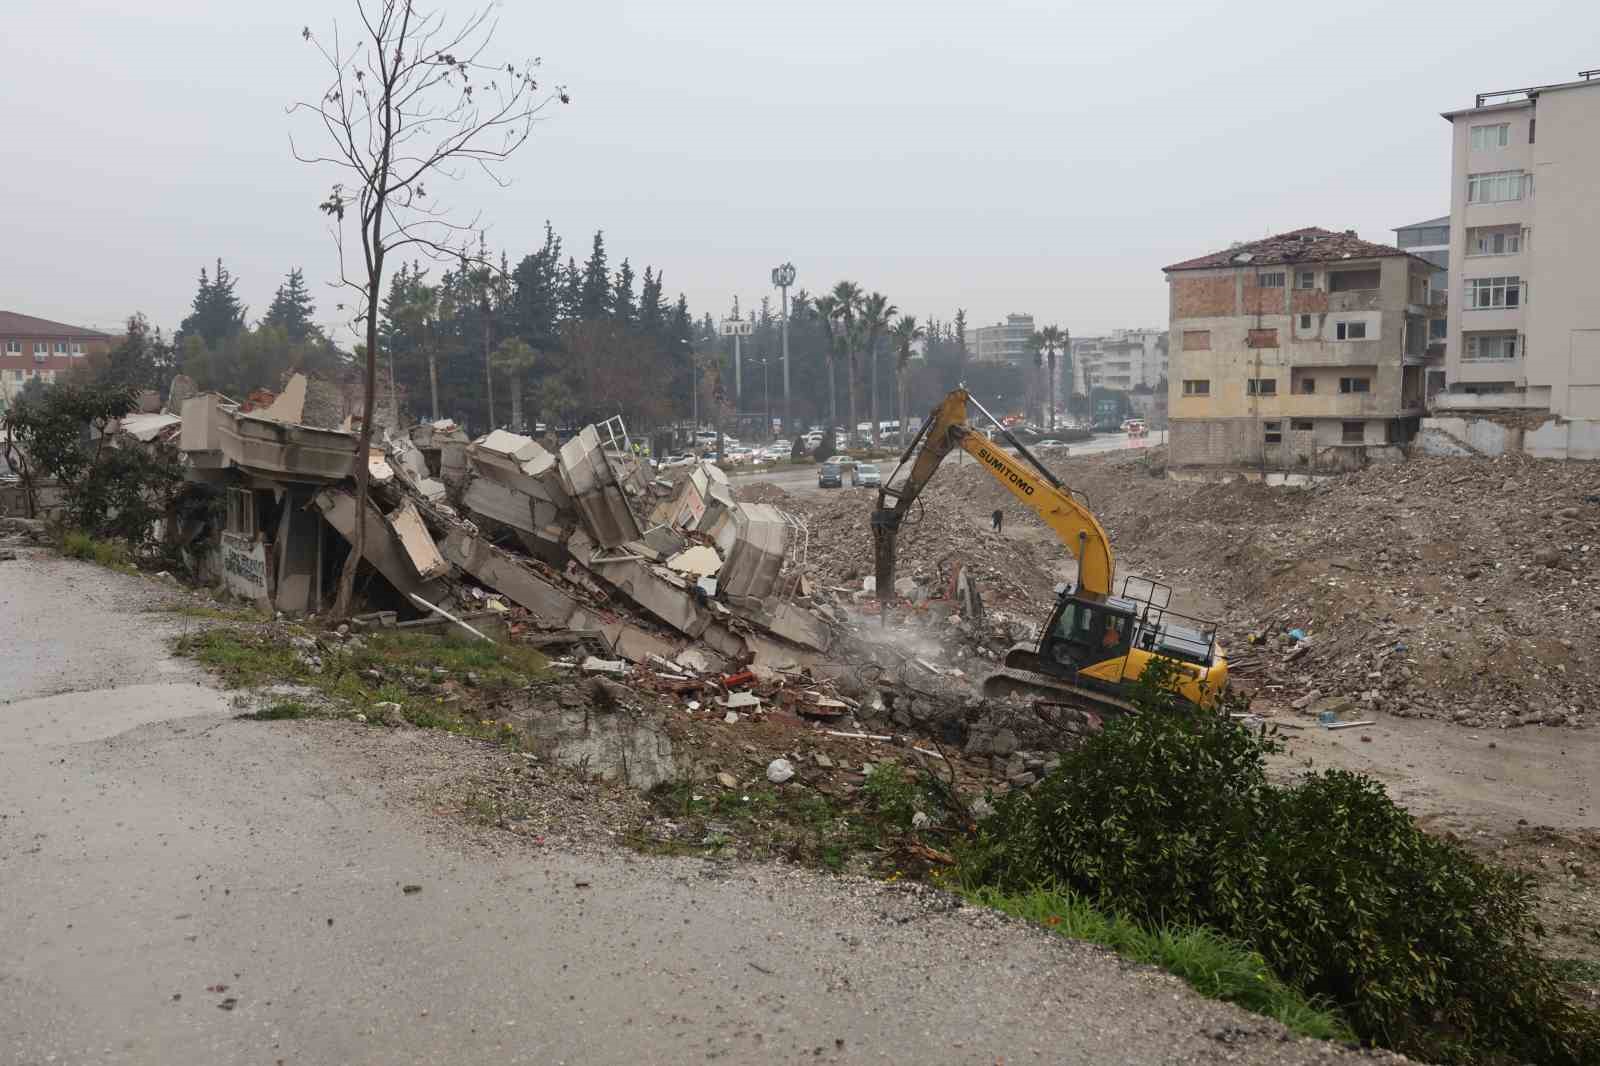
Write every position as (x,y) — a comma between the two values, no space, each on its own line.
(1430,240)
(1524,321)
(38,348)
(1300,352)
(1003,342)
(1124,360)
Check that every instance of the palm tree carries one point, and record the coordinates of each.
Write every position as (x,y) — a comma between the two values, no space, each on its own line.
(826,308)
(847,300)
(1048,342)
(514,358)
(877,314)
(904,334)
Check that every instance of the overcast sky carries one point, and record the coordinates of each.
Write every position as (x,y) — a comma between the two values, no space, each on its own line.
(1010,155)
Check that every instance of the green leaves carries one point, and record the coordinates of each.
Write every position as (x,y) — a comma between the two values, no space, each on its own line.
(1168,817)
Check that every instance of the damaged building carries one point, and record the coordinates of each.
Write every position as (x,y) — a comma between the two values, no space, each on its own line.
(580,539)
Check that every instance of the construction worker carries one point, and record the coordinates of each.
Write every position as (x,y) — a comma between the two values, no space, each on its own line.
(999,517)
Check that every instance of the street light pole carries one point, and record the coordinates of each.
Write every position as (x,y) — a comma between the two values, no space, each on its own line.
(783,277)
(736,327)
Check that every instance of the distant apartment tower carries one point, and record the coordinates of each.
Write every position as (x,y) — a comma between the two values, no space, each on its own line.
(1300,352)
(1524,318)
(39,349)
(1430,240)
(1128,359)
(1003,342)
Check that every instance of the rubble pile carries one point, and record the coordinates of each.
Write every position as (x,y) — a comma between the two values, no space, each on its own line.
(1462,589)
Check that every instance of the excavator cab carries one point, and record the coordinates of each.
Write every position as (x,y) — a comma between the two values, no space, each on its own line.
(1082,633)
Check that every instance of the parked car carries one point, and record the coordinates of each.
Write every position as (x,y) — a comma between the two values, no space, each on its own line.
(864,474)
(828,476)
(1051,444)
(1135,427)
(670,462)
(841,461)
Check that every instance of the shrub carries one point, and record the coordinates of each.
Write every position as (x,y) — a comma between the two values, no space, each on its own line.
(1169,817)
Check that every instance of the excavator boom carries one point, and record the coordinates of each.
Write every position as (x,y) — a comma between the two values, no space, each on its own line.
(946,429)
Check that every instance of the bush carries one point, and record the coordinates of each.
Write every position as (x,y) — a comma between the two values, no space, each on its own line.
(1169,818)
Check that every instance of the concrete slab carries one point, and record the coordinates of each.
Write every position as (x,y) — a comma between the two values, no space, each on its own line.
(596,489)
(508,575)
(417,541)
(381,546)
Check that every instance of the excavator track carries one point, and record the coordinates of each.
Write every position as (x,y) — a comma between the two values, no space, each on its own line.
(1015,681)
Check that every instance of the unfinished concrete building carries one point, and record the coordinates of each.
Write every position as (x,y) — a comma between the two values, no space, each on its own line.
(1297,353)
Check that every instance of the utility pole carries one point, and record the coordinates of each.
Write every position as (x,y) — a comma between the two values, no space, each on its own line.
(783,277)
(736,327)
(433,369)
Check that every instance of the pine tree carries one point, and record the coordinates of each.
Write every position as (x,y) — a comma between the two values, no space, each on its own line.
(292,308)
(216,313)
(571,291)
(652,313)
(594,299)
(536,300)
(622,307)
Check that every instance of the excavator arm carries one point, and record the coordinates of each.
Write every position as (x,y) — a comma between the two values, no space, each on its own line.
(946,429)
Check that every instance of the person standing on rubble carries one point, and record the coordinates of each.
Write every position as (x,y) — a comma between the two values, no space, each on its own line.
(999,517)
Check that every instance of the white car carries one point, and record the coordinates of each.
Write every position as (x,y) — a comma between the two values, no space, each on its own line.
(841,460)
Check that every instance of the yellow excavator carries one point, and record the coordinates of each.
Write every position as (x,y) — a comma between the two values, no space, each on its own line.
(1097,641)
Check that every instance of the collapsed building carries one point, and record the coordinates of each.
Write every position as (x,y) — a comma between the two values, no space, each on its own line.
(581,537)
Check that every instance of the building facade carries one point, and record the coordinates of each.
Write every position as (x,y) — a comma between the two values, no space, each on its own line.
(1003,342)
(1124,360)
(1300,352)
(1430,240)
(1524,321)
(36,348)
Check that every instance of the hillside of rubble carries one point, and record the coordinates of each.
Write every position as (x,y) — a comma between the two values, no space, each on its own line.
(1461,589)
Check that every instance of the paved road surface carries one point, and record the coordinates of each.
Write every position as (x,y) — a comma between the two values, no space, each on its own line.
(803,479)
(154,849)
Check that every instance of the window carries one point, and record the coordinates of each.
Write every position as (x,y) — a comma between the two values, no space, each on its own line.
(1354,433)
(1305,321)
(1197,340)
(1350,331)
(77,347)
(1308,386)
(1272,432)
(1305,279)
(1261,387)
(1263,338)
(1438,329)
(1301,425)
(1498,187)
(1495,136)
(1490,346)
(1270,281)
(1355,385)
(40,348)
(1495,241)
(1494,292)
(1352,280)
(1197,387)
(61,347)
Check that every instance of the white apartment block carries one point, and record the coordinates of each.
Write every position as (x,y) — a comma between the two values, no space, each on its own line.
(1524,314)
(1122,360)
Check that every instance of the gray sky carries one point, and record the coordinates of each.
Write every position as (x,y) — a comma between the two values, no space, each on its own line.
(1010,155)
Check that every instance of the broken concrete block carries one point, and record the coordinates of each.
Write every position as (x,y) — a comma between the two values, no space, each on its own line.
(595,665)
(657,591)
(510,576)
(381,544)
(500,503)
(693,660)
(699,561)
(740,701)
(779,771)
(591,477)
(754,558)
(417,542)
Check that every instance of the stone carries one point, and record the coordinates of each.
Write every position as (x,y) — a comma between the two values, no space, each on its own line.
(1017,764)
(731,718)
(596,665)
(920,820)
(981,808)
(1307,700)
(1022,780)
(823,761)
(1004,743)
(727,780)
(779,771)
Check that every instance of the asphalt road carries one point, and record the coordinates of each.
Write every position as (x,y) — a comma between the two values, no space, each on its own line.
(178,885)
(803,479)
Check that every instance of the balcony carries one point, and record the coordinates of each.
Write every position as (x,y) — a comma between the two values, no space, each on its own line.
(1354,300)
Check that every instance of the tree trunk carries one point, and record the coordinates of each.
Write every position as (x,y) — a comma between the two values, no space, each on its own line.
(850,382)
(900,407)
(363,468)
(873,401)
(833,398)
(1052,358)
(516,403)
(433,383)
(488,365)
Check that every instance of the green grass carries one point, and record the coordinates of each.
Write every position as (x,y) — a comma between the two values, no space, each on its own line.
(107,553)
(762,821)
(1208,962)
(245,658)
(1580,971)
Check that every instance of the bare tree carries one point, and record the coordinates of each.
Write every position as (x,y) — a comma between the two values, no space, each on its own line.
(410,101)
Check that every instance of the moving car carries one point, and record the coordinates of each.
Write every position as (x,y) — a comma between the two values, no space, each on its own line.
(840,461)
(829,477)
(864,474)
(1051,444)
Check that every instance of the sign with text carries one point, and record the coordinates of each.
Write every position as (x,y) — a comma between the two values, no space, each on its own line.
(244,566)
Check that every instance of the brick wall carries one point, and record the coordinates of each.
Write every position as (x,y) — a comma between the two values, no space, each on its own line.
(1204,296)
